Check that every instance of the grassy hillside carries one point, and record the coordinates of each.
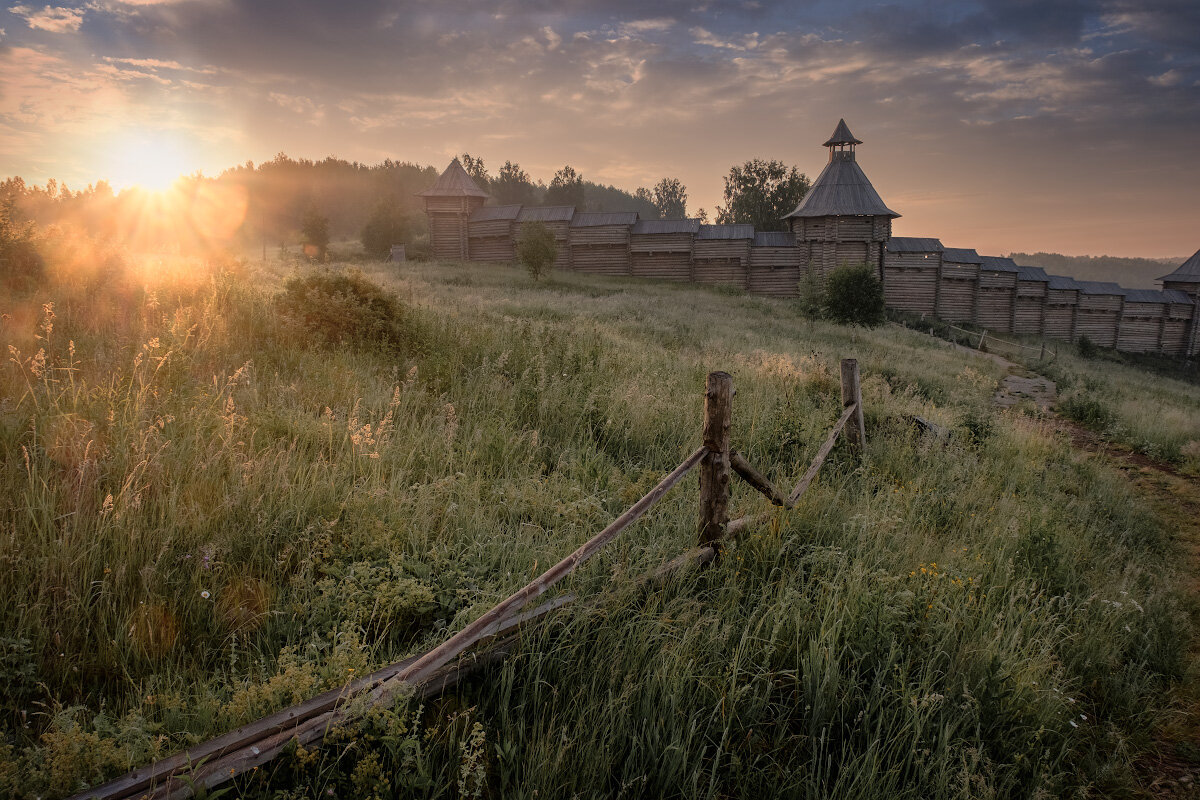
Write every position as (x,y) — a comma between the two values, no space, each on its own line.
(210,512)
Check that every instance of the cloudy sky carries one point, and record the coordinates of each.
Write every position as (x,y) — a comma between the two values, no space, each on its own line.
(1028,125)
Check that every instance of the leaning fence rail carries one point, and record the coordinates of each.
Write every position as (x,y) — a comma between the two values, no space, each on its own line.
(978,339)
(492,636)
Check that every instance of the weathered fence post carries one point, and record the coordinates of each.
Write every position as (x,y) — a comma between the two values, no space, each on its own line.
(982,336)
(856,432)
(714,468)
(1042,355)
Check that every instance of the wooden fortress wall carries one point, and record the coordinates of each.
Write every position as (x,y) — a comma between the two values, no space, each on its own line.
(919,276)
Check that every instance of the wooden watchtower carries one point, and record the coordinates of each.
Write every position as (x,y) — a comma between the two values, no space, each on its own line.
(1185,281)
(448,205)
(842,219)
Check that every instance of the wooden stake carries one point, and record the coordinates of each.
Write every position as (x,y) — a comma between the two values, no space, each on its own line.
(856,432)
(714,468)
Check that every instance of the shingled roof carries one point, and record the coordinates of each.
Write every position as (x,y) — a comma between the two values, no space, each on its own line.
(1100,287)
(492,213)
(546,214)
(454,182)
(1032,274)
(961,255)
(594,219)
(666,226)
(1063,282)
(841,135)
(998,264)
(1188,272)
(725,232)
(914,244)
(774,239)
(1145,296)
(842,190)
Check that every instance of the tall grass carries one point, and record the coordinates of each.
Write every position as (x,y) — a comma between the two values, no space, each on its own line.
(209,516)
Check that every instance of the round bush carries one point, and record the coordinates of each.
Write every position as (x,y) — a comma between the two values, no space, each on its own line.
(343,308)
(854,295)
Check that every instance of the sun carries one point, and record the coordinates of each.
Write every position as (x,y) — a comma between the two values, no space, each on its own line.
(152,161)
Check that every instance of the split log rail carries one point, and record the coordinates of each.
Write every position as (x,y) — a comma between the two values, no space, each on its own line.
(494,635)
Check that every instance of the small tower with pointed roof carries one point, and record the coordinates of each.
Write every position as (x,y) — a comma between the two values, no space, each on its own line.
(842,219)
(448,205)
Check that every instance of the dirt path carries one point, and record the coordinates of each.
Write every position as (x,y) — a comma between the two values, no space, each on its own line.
(1173,770)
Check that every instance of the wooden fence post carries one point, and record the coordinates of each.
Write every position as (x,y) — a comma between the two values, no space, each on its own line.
(714,468)
(856,432)
(982,336)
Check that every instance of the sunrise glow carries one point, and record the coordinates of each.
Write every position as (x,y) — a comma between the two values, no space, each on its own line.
(148,161)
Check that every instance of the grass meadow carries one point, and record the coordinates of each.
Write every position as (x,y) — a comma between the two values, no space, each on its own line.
(211,510)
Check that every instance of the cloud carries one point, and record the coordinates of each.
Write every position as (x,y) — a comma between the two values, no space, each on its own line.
(50,18)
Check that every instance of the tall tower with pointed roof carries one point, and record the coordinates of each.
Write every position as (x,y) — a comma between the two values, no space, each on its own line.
(842,219)
(448,205)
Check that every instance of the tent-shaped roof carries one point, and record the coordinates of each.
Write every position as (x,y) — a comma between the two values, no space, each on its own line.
(1188,272)
(666,226)
(546,214)
(774,239)
(454,182)
(494,213)
(961,255)
(999,264)
(841,135)
(914,244)
(593,219)
(739,231)
(842,190)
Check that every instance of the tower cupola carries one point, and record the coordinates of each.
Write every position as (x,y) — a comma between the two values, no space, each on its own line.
(842,142)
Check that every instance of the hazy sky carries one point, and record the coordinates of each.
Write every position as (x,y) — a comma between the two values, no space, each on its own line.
(1029,125)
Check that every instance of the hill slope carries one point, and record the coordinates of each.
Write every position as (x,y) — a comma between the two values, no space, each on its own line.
(219,517)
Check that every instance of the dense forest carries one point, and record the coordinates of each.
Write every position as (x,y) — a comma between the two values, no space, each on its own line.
(267,204)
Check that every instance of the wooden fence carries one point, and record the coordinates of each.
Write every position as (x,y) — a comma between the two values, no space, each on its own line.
(492,636)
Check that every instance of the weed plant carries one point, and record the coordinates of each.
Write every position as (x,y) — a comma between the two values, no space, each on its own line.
(212,511)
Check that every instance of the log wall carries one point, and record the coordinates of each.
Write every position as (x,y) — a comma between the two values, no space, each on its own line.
(994,304)
(1029,307)
(910,281)
(601,249)
(915,282)
(1098,317)
(1141,326)
(1058,317)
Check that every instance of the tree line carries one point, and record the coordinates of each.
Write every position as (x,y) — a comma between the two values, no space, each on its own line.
(287,200)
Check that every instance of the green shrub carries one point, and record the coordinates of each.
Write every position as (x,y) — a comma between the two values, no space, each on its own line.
(21,265)
(812,294)
(854,296)
(343,309)
(1088,411)
(1086,347)
(536,249)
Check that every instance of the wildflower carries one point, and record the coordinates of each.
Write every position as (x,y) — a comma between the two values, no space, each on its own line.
(205,594)
(1073,725)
